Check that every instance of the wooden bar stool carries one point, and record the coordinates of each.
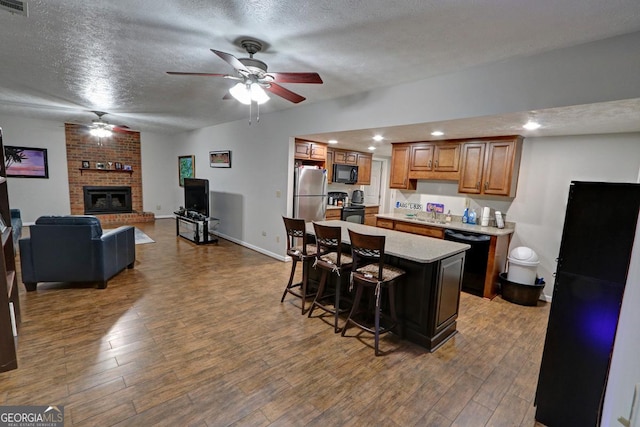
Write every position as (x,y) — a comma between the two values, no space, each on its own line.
(330,259)
(369,272)
(304,253)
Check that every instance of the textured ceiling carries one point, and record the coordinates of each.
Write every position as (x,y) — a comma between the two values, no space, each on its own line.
(73,56)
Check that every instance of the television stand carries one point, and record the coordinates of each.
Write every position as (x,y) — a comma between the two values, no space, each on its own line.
(196,230)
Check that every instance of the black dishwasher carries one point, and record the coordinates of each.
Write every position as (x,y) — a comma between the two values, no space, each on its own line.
(476,258)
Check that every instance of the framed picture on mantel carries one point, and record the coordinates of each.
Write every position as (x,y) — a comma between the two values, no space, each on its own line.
(26,162)
(186,168)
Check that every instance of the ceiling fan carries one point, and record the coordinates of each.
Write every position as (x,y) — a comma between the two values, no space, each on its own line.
(103,129)
(253,78)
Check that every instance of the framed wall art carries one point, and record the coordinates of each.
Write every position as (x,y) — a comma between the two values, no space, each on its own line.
(220,159)
(186,168)
(26,162)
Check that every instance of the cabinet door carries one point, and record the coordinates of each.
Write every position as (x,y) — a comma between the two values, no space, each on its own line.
(364,169)
(446,157)
(423,230)
(449,285)
(329,165)
(498,167)
(318,152)
(303,150)
(472,164)
(399,176)
(421,157)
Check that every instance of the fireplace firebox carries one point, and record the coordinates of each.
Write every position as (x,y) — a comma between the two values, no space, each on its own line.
(101,200)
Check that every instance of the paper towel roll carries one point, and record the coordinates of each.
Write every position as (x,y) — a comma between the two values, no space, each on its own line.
(484,219)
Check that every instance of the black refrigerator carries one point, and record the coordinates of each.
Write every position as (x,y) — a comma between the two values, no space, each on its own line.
(595,252)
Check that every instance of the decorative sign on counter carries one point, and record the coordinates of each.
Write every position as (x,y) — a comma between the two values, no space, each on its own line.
(409,205)
(435,207)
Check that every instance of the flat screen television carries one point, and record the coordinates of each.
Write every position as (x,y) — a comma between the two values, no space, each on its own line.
(196,195)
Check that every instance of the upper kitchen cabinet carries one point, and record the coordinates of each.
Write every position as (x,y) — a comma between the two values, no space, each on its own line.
(312,153)
(435,160)
(344,157)
(329,165)
(399,176)
(490,166)
(364,168)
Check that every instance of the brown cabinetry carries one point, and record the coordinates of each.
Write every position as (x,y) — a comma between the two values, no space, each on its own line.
(314,151)
(370,213)
(9,299)
(333,214)
(344,157)
(399,175)
(435,160)
(490,167)
(423,230)
(409,227)
(364,168)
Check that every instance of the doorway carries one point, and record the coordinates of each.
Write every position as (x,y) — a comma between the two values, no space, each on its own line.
(373,191)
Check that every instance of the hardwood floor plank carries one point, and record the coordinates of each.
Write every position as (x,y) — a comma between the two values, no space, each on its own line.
(196,335)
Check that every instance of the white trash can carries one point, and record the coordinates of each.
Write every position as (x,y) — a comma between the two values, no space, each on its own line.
(523,265)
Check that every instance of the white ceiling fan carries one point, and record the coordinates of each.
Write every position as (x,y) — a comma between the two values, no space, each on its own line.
(101,128)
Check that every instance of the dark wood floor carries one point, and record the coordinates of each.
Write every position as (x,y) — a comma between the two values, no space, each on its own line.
(196,335)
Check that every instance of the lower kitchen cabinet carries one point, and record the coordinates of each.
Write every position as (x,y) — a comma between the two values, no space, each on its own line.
(370,213)
(333,214)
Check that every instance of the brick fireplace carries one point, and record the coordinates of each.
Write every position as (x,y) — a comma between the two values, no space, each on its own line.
(122,147)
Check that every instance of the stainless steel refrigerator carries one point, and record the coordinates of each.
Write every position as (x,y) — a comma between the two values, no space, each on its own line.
(310,193)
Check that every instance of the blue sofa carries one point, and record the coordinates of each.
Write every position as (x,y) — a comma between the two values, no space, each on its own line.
(73,248)
(16,226)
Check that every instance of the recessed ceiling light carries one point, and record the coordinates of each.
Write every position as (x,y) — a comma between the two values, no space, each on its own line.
(378,138)
(372,148)
(531,125)
(437,133)
(332,141)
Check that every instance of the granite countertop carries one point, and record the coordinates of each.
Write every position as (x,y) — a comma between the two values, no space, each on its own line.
(408,246)
(454,225)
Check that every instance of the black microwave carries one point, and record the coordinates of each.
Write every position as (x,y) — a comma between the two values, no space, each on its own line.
(345,174)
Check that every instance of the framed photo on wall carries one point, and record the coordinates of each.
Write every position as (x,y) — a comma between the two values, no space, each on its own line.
(26,162)
(220,159)
(186,168)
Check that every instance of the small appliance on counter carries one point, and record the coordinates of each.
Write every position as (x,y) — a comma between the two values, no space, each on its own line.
(357,197)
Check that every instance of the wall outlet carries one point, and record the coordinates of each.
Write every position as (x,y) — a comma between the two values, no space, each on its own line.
(277,239)
(264,233)
(158,207)
(278,194)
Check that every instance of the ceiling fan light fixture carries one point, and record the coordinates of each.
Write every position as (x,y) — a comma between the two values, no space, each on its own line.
(100,132)
(246,93)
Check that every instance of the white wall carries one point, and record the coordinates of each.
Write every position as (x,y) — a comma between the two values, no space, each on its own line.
(159,173)
(38,196)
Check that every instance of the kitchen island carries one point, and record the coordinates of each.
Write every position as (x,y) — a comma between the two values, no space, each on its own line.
(429,295)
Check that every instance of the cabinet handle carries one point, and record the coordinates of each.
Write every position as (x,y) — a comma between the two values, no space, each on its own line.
(429,164)
(477,185)
(436,163)
(486,185)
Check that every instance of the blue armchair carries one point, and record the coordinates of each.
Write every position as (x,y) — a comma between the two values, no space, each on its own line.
(74,249)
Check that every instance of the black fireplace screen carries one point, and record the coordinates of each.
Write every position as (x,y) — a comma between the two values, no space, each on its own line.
(107,200)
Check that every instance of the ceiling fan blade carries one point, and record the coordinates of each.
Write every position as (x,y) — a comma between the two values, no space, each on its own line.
(285,93)
(231,60)
(296,78)
(178,73)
